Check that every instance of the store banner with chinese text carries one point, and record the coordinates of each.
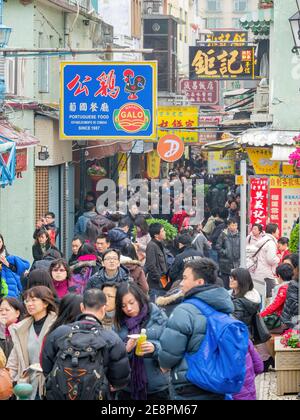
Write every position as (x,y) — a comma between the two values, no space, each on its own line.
(123,175)
(221,165)
(222,63)
(180,117)
(284,203)
(200,92)
(259,194)
(261,161)
(153,165)
(106,101)
(222,38)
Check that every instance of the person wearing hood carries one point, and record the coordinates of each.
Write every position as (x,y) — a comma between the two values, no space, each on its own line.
(129,259)
(112,271)
(81,224)
(83,269)
(228,247)
(187,253)
(245,298)
(186,328)
(264,274)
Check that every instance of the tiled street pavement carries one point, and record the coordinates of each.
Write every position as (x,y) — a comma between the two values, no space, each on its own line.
(266,388)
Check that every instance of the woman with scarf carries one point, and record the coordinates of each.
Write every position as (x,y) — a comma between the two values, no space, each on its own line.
(134,312)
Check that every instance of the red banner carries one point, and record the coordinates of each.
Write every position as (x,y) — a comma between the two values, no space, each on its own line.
(276,207)
(200,92)
(259,201)
(21,160)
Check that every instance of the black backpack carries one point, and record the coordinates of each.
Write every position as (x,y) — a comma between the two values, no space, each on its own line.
(78,373)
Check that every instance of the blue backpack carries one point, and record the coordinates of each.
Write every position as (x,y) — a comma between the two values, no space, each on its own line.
(219,366)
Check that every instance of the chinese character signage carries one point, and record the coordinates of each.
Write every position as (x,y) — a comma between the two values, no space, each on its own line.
(261,161)
(225,38)
(172,118)
(108,101)
(259,192)
(210,134)
(200,92)
(221,165)
(122,160)
(222,63)
(153,165)
(284,203)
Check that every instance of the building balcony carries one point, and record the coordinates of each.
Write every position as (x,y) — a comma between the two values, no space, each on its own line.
(260,112)
(153,7)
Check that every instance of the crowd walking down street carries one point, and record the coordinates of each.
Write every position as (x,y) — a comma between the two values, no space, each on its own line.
(149,202)
(128,316)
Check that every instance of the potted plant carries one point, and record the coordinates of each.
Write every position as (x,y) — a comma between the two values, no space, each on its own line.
(96,172)
(291,339)
(294,243)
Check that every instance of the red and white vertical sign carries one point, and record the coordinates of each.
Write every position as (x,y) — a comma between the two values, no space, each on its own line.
(259,201)
(276,207)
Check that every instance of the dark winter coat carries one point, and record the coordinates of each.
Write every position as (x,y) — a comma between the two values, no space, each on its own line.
(184,333)
(228,247)
(156,263)
(246,307)
(188,254)
(155,325)
(37,251)
(115,359)
(220,226)
(290,310)
(118,238)
(254,367)
(100,278)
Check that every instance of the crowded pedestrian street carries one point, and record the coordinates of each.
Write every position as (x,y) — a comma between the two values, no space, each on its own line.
(149,202)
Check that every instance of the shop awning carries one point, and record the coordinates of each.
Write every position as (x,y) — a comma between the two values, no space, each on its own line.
(258,22)
(263,138)
(103,149)
(221,145)
(282,153)
(21,137)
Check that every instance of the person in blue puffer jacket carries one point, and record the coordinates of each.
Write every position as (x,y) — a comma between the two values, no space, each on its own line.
(134,312)
(12,270)
(186,328)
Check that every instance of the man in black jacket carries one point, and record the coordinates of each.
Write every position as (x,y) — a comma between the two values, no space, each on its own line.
(110,347)
(156,260)
(187,254)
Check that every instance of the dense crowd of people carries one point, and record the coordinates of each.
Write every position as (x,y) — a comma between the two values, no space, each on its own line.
(124,276)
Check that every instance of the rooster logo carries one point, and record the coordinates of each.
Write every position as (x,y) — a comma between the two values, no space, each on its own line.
(133,84)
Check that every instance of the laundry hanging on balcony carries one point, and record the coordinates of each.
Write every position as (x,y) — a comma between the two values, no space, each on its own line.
(7,161)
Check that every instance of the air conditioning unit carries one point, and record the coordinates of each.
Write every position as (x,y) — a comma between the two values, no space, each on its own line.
(261,99)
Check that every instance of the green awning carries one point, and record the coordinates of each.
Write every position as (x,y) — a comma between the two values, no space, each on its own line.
(258,22)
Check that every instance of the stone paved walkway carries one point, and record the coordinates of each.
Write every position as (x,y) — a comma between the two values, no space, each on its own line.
(266,388)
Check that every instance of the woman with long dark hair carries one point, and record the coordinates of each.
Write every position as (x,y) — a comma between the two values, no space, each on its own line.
(134,312)
(246,299)
(42,245)
(69,309)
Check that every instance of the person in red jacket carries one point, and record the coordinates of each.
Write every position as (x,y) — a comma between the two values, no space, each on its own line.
(284,273)
(283,249)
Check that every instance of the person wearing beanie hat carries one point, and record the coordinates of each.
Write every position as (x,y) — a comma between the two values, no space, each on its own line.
(187,254)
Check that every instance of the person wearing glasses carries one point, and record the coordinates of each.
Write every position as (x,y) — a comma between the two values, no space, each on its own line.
(60,274)
(112,271)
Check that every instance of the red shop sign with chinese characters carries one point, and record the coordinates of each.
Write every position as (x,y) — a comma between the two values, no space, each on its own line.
(259,189)
(200,92)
